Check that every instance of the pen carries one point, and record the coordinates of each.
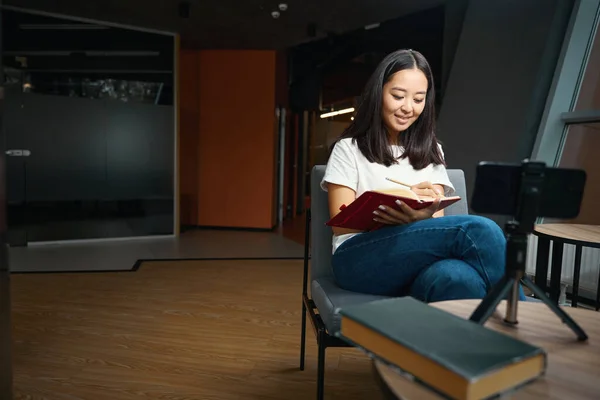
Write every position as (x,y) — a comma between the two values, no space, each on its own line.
(399,183)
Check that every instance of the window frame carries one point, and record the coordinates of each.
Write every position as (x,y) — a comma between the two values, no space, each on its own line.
(565,89)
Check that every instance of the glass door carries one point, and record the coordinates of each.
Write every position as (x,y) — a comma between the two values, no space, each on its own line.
(5,336)
(15,167)
(87,169)
(90,147)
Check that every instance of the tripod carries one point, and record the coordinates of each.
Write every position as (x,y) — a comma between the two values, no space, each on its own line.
(516,250)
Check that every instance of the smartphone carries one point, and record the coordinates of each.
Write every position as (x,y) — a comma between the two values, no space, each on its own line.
(497,188)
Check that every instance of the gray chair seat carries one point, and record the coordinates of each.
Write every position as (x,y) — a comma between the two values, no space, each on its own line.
(328,297)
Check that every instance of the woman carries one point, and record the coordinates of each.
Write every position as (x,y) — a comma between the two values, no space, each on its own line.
(419,253)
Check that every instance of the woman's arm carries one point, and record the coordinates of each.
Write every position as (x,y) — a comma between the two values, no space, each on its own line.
(339,195)
(427,189)
(440,190)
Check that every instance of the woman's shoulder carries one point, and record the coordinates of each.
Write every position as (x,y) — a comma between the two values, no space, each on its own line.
(345,142)
(346,145)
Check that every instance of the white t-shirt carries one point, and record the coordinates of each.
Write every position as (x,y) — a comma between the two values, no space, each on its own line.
(347,166)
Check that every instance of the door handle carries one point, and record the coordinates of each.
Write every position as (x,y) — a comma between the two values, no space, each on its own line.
(18,153)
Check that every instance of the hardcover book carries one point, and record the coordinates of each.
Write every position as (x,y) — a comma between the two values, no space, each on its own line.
(449,355)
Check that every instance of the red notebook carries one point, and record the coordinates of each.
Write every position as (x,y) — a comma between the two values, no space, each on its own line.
(359,213)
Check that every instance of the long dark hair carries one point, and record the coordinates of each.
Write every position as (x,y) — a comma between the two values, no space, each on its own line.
(368,130)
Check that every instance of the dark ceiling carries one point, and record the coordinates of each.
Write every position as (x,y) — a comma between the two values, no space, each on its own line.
(331,67)
(38,43)
(340,65)
(236,24)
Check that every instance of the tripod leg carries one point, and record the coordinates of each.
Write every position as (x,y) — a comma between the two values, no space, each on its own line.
(487,307)
(581,335)
(513,301)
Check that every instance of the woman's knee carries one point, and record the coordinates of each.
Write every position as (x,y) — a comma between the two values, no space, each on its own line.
(485,236)
(476,224)
(448,280)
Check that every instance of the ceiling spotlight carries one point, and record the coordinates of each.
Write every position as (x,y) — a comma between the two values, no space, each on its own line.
(275,14)
(283,6)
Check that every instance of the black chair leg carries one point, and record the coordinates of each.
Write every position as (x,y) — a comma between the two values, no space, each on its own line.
(321,366)
(304,289)
(303,337)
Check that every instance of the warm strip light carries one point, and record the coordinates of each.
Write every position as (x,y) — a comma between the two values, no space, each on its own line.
(339,112)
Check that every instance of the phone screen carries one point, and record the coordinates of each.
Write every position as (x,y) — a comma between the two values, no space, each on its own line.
(497,188)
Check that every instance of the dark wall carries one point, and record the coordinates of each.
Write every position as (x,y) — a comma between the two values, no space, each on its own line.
(499,80)
(454,15)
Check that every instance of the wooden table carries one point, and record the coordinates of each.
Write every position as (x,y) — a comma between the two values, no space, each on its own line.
(561,234)
(573,367)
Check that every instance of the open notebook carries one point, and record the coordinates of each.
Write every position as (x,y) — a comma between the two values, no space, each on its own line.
(359,213)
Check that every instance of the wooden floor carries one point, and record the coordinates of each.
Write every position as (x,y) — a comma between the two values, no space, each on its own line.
(173,331)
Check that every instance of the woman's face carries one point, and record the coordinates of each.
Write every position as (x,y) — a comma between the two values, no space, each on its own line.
(403,99)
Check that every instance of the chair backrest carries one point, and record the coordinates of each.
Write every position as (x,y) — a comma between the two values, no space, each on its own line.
(457,177)
(321,234)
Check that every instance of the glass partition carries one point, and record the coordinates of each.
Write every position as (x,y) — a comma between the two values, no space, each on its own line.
(90,132)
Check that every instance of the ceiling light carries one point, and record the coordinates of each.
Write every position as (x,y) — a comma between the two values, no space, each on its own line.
(283,6)
(339,112)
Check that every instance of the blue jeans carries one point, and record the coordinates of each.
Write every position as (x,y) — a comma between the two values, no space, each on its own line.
(447,258)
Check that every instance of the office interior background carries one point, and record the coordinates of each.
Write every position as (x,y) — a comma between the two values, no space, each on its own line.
(142,151)
(136,120)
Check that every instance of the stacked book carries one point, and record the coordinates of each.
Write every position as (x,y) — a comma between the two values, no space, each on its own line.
(452,357)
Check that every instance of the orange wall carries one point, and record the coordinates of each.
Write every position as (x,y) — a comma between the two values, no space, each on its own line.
(230,95)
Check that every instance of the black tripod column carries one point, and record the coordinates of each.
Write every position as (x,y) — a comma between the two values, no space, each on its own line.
(508,286)
(516,256)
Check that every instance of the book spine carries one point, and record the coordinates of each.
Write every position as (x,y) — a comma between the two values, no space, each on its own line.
(395,367)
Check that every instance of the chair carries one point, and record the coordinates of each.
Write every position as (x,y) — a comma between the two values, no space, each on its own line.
(326,296)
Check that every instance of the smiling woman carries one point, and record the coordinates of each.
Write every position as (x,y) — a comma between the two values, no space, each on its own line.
(419,252)
(398,105)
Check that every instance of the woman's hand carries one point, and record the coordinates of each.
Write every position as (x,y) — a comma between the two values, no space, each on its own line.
(427,189)
(405,214)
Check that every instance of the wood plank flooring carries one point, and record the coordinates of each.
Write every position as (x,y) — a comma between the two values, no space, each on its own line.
(173,330)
